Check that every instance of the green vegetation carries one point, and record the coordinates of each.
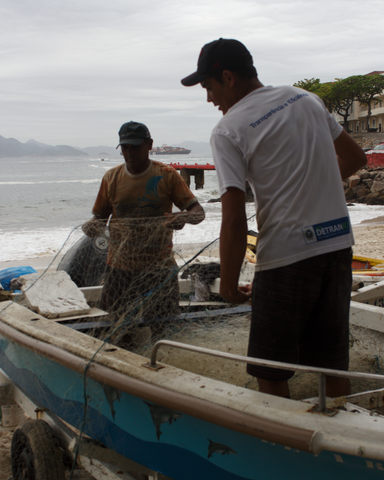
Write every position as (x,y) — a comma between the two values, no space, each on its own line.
(339,95)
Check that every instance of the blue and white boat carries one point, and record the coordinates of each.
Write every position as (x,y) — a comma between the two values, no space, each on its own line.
(150,417)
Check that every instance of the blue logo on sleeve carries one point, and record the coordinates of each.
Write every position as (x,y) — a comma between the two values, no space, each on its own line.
(326,230)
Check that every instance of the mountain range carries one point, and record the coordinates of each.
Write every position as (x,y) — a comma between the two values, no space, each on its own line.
(10,147)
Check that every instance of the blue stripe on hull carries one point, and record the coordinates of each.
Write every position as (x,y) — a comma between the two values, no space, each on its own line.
(131,427)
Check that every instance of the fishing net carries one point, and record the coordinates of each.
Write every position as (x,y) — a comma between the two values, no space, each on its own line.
(147,288)
(138,288)
(140,285)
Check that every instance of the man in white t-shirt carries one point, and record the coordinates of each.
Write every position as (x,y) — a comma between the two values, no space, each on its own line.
(293,154)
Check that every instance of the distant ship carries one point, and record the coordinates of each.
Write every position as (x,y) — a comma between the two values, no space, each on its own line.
(167,150)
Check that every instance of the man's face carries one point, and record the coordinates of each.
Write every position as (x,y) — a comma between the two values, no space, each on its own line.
(218,93)
(136,156)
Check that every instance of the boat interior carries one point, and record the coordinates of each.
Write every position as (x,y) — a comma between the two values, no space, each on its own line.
(203,319)
(209,337)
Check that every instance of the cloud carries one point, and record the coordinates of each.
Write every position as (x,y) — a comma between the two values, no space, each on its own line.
(73,72)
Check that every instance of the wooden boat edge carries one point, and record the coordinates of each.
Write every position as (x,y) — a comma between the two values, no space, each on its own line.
(272,419)
(123,375)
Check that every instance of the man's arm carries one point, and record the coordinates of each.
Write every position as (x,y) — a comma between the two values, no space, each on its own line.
(101,212)
(350,156)
(233,243)
(194,214)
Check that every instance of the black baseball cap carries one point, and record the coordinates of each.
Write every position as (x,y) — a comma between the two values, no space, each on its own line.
(133,133)
(219,55)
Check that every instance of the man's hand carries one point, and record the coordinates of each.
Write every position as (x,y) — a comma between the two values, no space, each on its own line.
(246,289)
(194,215)
(241,295)
(176,220)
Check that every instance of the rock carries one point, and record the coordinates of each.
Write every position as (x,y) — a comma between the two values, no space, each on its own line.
(370,199)
(366,186)
(349,194)
(53,295)
(357,189)
(354,181)
(365,175)
(377,186)
(363,191)
(368,182)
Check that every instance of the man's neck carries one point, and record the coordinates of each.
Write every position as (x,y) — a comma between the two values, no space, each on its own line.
(136,170)
(247,87)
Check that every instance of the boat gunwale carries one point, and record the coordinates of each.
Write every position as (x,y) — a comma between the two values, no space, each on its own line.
(223,416)
(218,407)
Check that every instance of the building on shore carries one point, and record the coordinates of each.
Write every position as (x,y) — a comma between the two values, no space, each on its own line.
(357,120)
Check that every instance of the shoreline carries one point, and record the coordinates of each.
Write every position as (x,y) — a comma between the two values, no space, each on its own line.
(41,263)
(369,241)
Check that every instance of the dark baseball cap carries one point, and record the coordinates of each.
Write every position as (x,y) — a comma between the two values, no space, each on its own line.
(219,55)
(133,133)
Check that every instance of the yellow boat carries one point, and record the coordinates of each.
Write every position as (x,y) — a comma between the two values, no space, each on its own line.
(250,252)
(360,265)
(367,266)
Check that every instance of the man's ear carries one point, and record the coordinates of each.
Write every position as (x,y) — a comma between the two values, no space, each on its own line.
(228,78)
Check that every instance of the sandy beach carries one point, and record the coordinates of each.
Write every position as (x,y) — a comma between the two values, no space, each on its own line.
(369,239)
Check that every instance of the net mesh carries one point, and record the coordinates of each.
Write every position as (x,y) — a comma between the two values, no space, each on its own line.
(141,289)
(145,290)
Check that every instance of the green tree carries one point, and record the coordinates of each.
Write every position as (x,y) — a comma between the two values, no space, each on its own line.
(367,88)
(338,96)
(322,90)
(310,85)
(325,92)
(343,94)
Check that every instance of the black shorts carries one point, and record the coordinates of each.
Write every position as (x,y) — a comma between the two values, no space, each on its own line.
(300,314)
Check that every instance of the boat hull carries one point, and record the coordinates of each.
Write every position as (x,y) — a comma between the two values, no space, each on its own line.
(181,436)
(127,426)
(173,153)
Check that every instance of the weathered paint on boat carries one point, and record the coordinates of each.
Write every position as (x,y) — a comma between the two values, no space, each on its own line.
(181,424)
(364,266)
(371,295)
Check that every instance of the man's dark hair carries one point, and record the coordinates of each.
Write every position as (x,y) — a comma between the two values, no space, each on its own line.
(243,74)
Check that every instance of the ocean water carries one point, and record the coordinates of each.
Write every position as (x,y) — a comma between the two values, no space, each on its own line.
(43,199)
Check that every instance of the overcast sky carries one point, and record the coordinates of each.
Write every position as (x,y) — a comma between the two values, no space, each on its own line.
(72,72)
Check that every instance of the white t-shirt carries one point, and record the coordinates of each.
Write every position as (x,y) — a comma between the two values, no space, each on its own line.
(280,139)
